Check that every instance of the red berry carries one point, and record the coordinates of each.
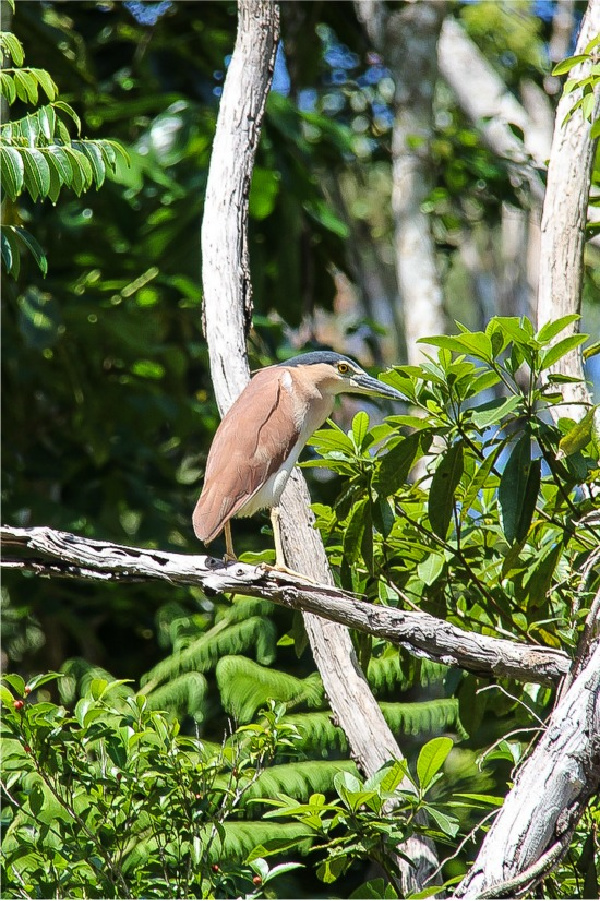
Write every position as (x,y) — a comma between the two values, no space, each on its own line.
(27,690)
(27,749)
(18,705)
(215,868)
(257,880)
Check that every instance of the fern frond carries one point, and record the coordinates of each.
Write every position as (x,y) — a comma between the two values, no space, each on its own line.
(396,671)
(78,675)
(424,718)
(299,779)
(235,843)
(318,734)
(244,607)
(256,633)
(246,686)
(183,695)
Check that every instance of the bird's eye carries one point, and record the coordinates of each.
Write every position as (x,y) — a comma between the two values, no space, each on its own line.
(343,368)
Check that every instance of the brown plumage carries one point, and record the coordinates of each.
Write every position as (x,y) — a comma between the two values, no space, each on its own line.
(261,436)
(238,465)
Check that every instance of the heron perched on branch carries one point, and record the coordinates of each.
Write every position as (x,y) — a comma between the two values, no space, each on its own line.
(260,438)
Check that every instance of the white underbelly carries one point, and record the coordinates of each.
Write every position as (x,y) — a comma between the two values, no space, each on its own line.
(268,496)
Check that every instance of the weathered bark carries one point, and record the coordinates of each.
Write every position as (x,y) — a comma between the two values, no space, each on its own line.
(410,50)
(535,825)
(73,556)
(225,259)
(226,308)
(564,220)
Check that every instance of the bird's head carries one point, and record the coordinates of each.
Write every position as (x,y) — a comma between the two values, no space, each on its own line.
(336,374)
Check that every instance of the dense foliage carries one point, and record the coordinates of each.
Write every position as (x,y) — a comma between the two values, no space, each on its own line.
(125,776)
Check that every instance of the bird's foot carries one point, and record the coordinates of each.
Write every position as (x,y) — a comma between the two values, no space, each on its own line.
(281,568)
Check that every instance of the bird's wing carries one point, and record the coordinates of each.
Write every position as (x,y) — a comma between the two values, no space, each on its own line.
(254,439)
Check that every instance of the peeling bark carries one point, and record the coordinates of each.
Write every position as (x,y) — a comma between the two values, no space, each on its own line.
(535,825)
(62,554)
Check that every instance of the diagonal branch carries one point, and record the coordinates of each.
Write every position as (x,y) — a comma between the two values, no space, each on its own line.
(72,556)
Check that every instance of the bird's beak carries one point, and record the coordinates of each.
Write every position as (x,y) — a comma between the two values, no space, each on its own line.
(366,384)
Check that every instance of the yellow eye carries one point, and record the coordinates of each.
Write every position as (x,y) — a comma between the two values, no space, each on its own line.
(343,368)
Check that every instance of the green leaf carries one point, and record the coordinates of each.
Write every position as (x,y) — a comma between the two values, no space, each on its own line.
(448,825)
(8,88)
(12,171)
(591,350)
(32,245)
(26,86)
(37,173)
(567,64)
(518,491)
(92,151)
(360,430)
(430,568)
(493,412)
(431,759)
(354,531)
(580,435)
(560,349)
(11,45)
(551,329)
(46,82)
(397,462)
(333,439)
(443,486)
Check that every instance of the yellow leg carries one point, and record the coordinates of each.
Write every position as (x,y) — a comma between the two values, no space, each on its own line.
(229,552)
(279,554)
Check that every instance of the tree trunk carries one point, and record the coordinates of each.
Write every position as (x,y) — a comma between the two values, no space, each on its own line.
(532,832)
(227,309)
(411,51)
(564,220)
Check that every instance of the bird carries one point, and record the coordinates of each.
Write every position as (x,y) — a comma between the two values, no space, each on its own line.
(260,438)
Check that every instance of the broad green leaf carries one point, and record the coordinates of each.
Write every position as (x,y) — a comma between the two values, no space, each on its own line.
(38,681)
(551,329)
(17,683)
(26,86)
(12,45)
(449,825)
(567,64)
(493,412)
(445,480)
(12,171)
(518,491)
(66,108)
(580,435)
(360,429)
(37,173)
(32,245)
(430,568)
(46,82)
(431,759)
(560,349)
(354,531)
(8,88)
(11,254)
(95,157)
(333,439)
(397,462)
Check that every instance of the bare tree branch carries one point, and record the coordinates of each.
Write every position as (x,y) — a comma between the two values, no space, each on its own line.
(68,555)
(564,219)
(535,825)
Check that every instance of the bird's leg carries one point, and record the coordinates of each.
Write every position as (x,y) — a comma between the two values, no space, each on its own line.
(279,554)
(229,552)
